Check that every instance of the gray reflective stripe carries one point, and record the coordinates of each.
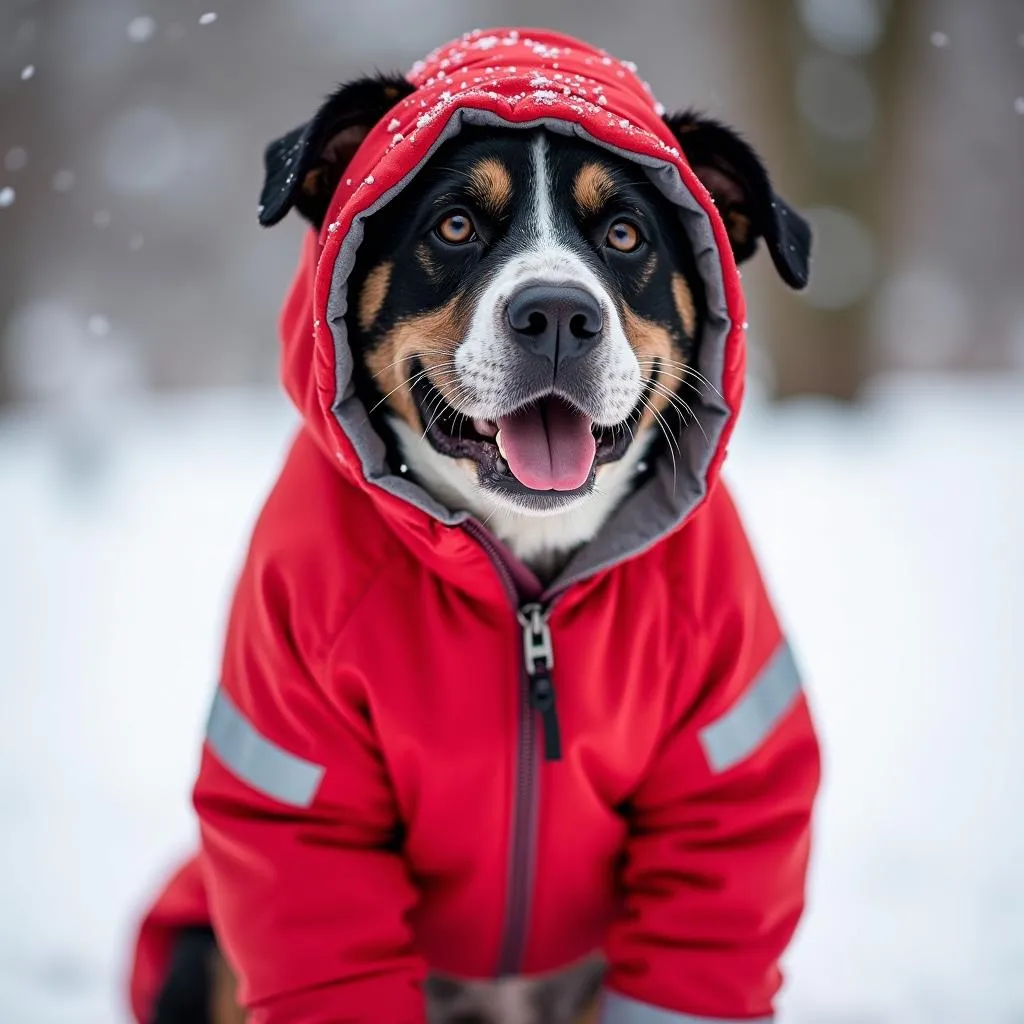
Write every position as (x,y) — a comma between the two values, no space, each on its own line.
(616,1009)
(745,726)
(255,760)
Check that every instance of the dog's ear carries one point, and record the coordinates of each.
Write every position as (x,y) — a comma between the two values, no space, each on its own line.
(738,182)
(303,168)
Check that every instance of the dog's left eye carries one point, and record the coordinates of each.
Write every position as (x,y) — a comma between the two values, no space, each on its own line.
(624,236)
(456,229)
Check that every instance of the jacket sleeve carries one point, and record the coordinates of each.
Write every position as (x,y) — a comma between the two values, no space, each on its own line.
(718,845)
(309,897)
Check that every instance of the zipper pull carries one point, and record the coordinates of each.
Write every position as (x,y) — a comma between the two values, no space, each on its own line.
(539,655)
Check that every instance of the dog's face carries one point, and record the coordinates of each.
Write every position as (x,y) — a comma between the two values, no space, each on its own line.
(527,307)
(525,313)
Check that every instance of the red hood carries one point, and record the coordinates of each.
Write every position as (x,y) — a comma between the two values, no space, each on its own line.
(513,77)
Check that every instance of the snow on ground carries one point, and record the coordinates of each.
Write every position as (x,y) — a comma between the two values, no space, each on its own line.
(889,537)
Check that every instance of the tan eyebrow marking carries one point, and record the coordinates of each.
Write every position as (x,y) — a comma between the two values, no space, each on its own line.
(490,184)
(594,186)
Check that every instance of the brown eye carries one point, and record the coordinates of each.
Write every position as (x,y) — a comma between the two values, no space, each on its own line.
(624,236)
(456,229)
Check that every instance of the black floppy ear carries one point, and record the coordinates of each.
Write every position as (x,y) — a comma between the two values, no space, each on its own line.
(303,168)
(737,180)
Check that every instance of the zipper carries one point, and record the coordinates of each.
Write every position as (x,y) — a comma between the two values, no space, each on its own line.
(537,696)
(539,658)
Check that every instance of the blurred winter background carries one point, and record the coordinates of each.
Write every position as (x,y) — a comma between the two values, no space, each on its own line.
(880,462)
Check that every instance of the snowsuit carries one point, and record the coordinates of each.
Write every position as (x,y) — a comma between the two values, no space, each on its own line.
(386,786)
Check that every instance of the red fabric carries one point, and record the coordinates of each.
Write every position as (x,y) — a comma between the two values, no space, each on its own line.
(182,904)
(368,638)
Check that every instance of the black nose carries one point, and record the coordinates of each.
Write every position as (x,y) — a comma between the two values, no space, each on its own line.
(558,322)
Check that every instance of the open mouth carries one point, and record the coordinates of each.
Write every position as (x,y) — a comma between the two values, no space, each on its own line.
(547,445)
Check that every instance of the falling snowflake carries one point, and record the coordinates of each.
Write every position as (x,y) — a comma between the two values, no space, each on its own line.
(63,181)
(6,196)
(1018,105)
(208,19)
(939,40)
(27,72)
(99,325)
(140,29)
(16,159)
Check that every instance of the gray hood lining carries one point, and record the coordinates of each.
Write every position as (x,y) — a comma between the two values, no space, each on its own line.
(671,493)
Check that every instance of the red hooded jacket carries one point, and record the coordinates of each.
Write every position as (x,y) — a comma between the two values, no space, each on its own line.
(379,794)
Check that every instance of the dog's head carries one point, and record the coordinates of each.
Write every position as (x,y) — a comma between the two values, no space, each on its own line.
(525,313)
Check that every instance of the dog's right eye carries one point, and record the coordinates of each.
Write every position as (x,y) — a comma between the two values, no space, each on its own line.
(456,229)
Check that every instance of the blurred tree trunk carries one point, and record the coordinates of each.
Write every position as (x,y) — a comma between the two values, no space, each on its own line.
(815,350)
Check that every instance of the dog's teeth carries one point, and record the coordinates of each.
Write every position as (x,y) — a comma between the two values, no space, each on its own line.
(485,428)
(501,447)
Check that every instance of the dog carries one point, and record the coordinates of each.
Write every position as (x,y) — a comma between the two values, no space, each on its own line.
(525,317)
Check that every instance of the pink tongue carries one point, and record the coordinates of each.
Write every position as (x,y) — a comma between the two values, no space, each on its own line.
(549,446)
